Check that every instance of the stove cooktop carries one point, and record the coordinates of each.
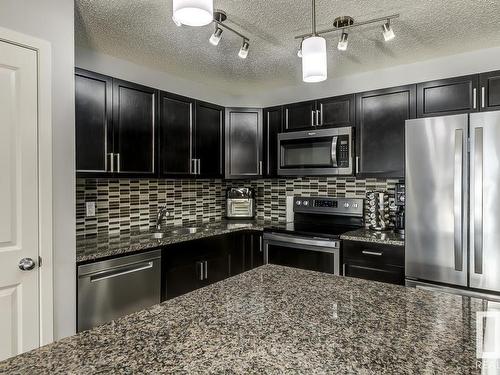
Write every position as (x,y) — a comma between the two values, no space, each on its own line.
(314,229)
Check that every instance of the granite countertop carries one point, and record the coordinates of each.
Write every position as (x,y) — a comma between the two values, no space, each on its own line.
(367,235)
(277,320)
(109,245)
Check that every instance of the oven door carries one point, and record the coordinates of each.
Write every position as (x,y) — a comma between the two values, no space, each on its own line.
(316,152)
(308,253)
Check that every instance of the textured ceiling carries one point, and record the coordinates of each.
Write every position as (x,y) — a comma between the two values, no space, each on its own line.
(142,31)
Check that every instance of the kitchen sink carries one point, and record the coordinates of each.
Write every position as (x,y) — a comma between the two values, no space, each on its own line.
(179,231)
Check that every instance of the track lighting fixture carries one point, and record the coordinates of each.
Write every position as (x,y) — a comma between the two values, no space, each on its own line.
(313,46)
(216,36)
(387,31)
(299,51)
(177,23)
(244,49)
(342,45)
(193,12)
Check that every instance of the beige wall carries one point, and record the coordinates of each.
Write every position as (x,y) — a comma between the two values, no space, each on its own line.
(53,21)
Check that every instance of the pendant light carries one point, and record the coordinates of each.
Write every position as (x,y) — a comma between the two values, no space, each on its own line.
(193,12)
(314,65)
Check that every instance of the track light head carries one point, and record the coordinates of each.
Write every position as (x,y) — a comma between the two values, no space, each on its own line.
(176,21)
(387,31)
(299,51)
(216,36)
(342,46)
(244,49)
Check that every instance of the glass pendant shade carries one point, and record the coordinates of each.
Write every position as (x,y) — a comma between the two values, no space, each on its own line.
(193,12)
(314,68)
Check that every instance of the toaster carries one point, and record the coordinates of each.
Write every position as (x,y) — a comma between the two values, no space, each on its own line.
(240,203)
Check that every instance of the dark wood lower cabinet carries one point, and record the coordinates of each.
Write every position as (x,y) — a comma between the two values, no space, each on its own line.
(194,264)
(378,262)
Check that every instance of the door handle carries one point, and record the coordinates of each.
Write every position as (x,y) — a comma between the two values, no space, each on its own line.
(260,167)
(111,162)
(26,264)
(474,95)
(376,253)
(205,264)
(118,162)
(312,118)
(201,271)
(198,168)
(193,166)
(120,272)
(334,151)
(483,97)
(457,199)
(478,200)
(357,164)
(317,118)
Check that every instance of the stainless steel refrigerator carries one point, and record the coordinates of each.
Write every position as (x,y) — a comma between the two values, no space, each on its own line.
(452,224)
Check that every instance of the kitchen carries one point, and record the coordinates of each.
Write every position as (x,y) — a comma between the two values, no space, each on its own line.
(221,221)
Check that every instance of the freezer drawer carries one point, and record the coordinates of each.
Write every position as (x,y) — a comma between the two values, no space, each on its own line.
(113,288)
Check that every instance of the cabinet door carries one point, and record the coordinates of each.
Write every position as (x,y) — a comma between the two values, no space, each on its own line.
(299,116)
(380,126)
(134,125)
(337,111)
(273,124)
(93,122)
(208,145)
(447,96)
(490,91)
(243,143)
(176,133)
(184,278)
(367,271)
(257,250)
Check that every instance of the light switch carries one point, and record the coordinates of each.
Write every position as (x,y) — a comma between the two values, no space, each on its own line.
(90,209)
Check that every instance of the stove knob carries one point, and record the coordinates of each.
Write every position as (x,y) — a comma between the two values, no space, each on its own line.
(298,203)
(305,203)
(355,205)
(346,205)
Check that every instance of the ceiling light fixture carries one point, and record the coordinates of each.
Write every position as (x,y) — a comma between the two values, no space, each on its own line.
(387,31)
(177,23)
(342,46)
(314,66)
(193,12)
(244,49)
(216,36)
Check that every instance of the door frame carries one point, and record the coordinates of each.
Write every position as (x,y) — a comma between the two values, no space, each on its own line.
(45,238)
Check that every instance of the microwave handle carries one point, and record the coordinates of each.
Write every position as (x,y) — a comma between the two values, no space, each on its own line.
(334,151)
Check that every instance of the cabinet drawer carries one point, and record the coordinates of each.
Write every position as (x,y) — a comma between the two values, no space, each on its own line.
(368,271)
(374,253)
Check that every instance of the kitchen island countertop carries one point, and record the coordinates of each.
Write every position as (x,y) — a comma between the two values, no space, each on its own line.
(276,320)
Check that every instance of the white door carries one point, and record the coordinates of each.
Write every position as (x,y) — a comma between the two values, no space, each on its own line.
(19,295)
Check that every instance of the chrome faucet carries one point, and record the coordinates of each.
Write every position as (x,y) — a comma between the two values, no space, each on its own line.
(162,213)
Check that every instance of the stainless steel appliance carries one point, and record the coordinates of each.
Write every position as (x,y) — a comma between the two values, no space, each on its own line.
(312,240)
(112,288)
(240,203)
(316,152)
(452,225)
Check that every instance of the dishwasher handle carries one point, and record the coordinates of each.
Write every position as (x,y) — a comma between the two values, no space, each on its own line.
(120,271)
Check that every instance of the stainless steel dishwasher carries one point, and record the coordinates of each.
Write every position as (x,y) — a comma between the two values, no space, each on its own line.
(112,288)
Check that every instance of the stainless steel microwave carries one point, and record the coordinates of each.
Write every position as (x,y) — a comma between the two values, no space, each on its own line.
(322,152)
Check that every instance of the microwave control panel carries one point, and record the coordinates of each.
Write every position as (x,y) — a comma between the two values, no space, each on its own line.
(343,151)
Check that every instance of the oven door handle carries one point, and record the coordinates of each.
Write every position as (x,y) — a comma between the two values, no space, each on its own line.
(334,151)
(296,240)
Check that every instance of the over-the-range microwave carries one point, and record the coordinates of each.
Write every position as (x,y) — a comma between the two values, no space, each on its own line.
(318,152)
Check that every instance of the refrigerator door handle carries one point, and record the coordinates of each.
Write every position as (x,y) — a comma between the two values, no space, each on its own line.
(478,200)
(457,199)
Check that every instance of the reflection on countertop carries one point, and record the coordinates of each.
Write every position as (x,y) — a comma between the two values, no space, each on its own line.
(278,320)
(368,235)
(109,245)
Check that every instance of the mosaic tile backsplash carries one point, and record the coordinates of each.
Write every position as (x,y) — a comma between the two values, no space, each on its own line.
(124,205)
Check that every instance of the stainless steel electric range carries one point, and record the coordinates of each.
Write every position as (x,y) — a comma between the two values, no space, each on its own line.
(312,240)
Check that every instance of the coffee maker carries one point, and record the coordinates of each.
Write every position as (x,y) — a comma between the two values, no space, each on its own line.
(399,201)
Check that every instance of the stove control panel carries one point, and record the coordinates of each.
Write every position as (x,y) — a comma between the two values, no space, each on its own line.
(329,205)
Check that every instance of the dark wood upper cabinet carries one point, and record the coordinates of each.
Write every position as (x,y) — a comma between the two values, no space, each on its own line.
(175,139)
(336,111)
(243,139)
(134,124)
(209,139)
(93,122)
(448,96)
(273,125)
(380,125)
(490,91)
(299,116)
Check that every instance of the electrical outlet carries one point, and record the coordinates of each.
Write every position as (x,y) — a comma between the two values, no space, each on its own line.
(90,209)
